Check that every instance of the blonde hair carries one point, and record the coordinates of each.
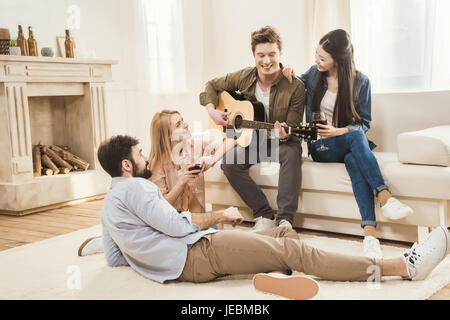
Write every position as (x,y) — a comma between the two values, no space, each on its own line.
(160,137)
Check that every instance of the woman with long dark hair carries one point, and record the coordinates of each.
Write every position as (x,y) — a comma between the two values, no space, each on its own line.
(335,88)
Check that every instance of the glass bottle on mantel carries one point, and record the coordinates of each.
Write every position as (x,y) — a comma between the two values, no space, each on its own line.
(32,44)
(68,45)
(22,42)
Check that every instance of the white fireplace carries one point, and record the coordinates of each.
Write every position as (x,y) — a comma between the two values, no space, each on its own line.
(52,101)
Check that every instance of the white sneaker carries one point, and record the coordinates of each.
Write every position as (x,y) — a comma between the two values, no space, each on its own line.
(284,223)
(291,287)
(422,258)
(91,246)
(394,209)
(262,224)
(372,248)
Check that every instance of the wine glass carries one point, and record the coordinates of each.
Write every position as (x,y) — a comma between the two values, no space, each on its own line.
(191,162)
(319,117)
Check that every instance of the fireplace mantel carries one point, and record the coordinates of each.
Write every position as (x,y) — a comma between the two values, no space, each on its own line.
(44,69)
(31,82)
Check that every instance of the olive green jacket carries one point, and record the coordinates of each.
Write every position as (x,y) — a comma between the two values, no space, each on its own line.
(287,100)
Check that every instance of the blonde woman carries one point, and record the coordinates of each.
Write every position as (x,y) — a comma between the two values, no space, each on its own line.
(173,153)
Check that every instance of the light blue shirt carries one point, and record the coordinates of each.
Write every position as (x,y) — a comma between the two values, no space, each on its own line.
(141,229)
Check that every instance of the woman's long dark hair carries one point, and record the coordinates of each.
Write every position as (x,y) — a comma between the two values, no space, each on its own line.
(337,43)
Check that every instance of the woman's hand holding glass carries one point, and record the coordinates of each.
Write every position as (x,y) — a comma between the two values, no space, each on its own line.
(327,130)
(189,176)
(192,167)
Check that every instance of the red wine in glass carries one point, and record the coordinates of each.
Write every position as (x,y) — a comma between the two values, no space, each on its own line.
(315,122)
(319,118)
(195,167)
(190,163)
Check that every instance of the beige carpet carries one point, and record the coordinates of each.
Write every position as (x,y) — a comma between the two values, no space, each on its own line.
(48,270)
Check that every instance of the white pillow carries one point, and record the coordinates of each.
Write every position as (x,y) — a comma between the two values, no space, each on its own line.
(429,147)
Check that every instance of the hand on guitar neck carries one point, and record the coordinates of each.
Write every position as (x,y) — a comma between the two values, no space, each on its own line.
(220,118)
(280,133)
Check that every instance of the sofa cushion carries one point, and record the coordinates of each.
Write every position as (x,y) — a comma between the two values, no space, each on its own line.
(429,147)
(402,179)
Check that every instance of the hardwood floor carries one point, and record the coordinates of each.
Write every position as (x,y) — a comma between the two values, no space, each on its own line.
(17,231)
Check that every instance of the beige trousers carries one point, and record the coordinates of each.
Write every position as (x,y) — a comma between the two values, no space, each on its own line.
(230,252)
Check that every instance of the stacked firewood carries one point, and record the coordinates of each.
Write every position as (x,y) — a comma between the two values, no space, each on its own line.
(52,160)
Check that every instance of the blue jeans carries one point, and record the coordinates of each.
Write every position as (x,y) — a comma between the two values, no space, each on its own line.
(353,149)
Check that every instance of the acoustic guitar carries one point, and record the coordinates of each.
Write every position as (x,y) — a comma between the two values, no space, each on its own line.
(246,116)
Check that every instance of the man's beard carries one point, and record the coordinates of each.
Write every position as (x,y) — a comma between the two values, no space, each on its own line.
(146,173)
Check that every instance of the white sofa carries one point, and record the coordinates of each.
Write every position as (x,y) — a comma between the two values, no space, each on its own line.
(326,200)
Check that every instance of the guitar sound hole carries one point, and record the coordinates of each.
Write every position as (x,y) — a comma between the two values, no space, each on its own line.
(237,122)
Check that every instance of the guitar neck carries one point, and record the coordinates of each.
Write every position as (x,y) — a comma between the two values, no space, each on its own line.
(304,132)
(248,124)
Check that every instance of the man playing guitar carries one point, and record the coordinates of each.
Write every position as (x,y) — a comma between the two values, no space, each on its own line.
(283,104)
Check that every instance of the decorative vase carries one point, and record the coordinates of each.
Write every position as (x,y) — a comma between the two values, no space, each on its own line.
(14,51)
(47,52)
